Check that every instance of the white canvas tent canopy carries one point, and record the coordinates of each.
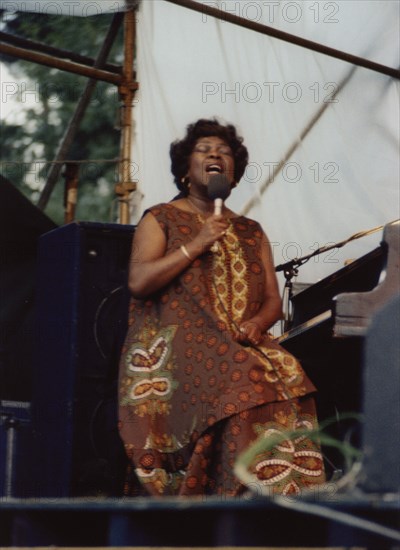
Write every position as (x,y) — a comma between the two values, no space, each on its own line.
(342,176)
(323,135)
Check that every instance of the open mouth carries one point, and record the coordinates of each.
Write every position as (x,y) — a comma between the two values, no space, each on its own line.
(214,169)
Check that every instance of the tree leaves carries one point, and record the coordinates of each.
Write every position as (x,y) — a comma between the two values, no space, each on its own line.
(48,98)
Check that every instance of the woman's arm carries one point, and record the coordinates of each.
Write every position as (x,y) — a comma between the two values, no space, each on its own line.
(150,268)
(252,329)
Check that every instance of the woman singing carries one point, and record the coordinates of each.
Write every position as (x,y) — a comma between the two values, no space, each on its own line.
(200,378)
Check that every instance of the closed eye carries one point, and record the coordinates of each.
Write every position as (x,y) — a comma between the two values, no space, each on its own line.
(205,148)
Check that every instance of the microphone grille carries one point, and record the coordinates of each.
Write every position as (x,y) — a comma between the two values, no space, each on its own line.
(218,187)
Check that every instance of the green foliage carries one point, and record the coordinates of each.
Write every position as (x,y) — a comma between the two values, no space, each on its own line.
(48,98)
(319,435)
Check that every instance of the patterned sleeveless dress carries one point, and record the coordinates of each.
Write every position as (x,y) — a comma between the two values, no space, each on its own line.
(192,399)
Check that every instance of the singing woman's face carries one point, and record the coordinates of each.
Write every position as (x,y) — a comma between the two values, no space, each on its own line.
(210,155)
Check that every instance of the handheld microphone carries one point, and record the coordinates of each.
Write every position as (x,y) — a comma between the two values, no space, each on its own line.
(218,189)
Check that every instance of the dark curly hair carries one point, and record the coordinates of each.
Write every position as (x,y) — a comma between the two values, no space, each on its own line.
(181,150)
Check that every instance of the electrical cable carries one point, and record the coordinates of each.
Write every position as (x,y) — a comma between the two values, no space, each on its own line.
(98,313)
(341,517)
(298,505)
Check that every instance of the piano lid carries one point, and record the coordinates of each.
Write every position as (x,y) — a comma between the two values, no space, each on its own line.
(353,311)
(361,275)
(344,302)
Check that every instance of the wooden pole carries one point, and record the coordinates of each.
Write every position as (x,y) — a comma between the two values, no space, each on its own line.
(71,175)
(126,185)
(78,115)
(62,64)
(33,45)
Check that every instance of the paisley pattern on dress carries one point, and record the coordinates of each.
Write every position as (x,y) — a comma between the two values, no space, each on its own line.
(295,462)
(149,364)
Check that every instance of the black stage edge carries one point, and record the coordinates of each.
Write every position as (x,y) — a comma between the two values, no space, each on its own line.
(192,522)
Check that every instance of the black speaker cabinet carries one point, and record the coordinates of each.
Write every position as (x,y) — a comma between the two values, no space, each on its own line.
(381,431)
(81,320)
(15,445)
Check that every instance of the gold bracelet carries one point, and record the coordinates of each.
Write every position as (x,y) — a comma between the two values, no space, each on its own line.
(186,253)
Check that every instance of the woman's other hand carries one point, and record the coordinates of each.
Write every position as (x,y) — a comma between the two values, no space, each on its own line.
(250,332)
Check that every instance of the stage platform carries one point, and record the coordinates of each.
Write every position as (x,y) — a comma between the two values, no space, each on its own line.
(330,520)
